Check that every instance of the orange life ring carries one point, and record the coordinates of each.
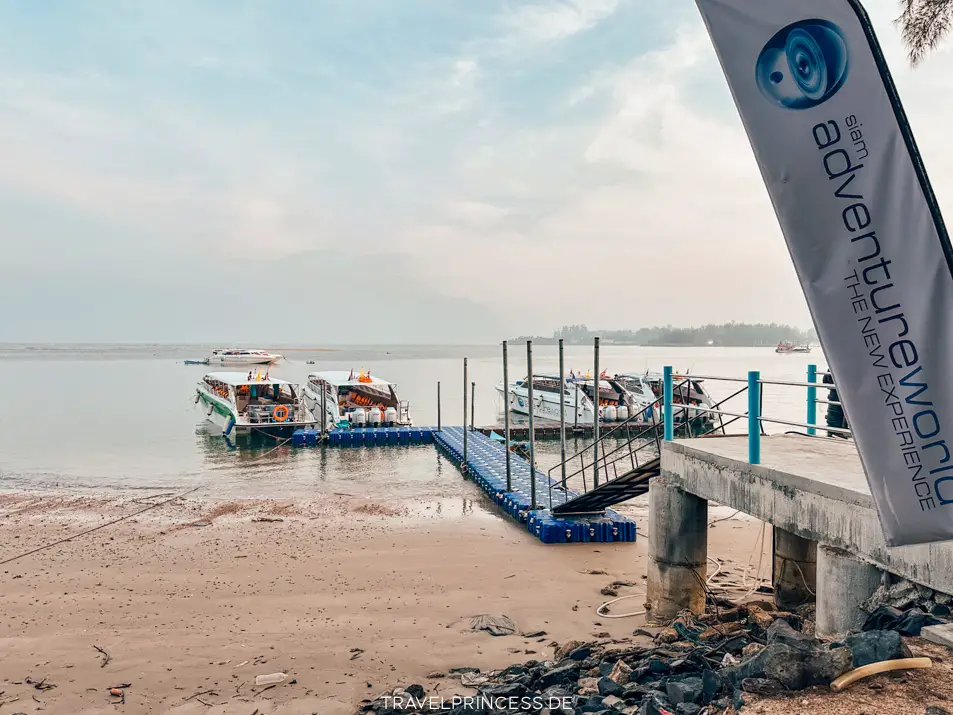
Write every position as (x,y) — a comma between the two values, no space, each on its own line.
(281,413)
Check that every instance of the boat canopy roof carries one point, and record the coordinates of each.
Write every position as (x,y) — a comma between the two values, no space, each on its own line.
(659,376)
(241,378)
(343,378)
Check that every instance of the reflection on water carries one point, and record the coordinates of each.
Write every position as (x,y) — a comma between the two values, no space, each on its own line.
(122,417)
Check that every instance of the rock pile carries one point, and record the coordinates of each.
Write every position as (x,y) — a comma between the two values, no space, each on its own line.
(905,595)
(697,665)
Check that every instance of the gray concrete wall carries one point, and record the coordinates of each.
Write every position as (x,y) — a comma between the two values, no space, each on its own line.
(801,487)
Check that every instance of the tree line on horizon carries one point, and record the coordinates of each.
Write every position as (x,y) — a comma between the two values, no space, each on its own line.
(725,335)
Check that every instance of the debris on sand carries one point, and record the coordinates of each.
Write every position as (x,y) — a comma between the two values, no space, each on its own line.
(699,664)
(494,625)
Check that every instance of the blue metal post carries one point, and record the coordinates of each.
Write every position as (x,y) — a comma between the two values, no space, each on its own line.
(812,399)
(754,417)
(667,420)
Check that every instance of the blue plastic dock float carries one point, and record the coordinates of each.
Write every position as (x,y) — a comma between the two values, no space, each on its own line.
(486,465)
(365,436)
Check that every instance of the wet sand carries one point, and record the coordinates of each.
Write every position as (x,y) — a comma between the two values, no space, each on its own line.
(349,597)
(180,608)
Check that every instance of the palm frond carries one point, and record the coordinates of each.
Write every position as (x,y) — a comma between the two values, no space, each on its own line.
(924,23)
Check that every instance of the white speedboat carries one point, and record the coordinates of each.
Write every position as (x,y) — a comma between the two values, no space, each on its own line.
(351,400)
(619,400)
(246,404)
(687,392)
(235,357)
(547,395)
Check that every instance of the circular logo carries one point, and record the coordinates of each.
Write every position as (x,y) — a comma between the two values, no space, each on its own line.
(803,65)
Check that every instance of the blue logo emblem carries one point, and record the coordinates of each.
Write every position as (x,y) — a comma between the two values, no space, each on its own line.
(803,65)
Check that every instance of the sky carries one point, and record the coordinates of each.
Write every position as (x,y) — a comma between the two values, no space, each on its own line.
(422,171)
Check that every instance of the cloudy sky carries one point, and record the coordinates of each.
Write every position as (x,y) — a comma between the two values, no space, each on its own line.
(381,171)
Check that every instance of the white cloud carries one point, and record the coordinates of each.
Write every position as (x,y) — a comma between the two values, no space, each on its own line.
(485,198)
(553,21)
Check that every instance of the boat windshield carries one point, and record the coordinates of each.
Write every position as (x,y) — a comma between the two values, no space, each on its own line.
(380,395)
(637,388)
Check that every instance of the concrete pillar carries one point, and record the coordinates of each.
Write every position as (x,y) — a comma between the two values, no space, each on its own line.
(678,552)
(843,583)
(795,569)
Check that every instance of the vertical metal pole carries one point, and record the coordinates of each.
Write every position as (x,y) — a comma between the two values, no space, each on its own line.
(575,424)
(439,427)
(667,420)
(754,417)
(324,407)
(506,417)
(812,399)
(472,405)
(562,412)
(532,426)
(465,380)
(595,416)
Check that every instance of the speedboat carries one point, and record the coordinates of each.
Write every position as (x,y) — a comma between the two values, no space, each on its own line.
(252,404)
(349,400)
(617,401)
(788,347)
(546,398)
(687,392)
(234,357)
(622,398)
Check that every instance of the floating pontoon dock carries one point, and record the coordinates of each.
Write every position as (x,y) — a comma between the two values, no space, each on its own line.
(486,465)
(365,436)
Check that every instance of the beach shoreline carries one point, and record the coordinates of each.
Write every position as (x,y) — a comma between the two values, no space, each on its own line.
(348,596)
(180,595)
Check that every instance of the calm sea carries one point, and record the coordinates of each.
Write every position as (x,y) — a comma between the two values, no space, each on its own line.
(99,418)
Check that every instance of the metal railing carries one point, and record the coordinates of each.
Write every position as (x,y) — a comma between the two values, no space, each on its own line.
(687,420)
(647,440)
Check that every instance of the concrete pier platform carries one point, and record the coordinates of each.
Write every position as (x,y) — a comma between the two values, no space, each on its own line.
(814,490)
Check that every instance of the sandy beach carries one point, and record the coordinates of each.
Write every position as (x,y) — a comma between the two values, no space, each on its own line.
(189,602)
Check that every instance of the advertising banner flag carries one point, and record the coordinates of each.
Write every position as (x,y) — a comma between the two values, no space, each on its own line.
(864,231)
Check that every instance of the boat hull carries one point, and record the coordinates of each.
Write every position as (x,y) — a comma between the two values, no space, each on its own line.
(312,400)
(242,361)
(547,405)
(232,425)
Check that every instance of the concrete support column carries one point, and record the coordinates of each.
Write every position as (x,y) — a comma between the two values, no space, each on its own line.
(843,583)
(678,552)
(795,569)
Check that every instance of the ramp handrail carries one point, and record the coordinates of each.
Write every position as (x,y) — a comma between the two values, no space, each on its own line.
(650,436)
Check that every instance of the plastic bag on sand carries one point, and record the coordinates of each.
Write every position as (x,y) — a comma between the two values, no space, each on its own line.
(471,680)
(495,625)
(906,623)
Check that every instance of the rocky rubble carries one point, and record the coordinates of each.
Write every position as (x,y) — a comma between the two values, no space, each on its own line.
(697,666)
(905,595)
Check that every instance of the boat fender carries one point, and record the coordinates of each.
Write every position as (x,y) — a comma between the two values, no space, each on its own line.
(211,409)
(198,396)
(229,426)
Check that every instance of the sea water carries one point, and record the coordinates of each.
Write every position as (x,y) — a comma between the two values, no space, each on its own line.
(101,418)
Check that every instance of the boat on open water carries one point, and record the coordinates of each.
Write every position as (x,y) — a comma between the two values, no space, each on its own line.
(235,357)
(786,347)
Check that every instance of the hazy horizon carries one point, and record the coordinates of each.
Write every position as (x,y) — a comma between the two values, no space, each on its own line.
(377,173)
